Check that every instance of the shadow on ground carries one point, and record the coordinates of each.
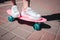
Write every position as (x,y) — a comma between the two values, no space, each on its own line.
(55,16)
(43,25)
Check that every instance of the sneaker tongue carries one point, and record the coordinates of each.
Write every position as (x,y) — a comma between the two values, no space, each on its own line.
(28,8)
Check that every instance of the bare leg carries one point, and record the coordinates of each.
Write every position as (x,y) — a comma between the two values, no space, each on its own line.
(15,11)
(26,3)
(27,10)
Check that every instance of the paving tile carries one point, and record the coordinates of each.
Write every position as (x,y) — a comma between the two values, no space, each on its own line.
(0,38)
(46,7)
(2,32)
(24,26)
(17,38)
(8,36)
(57,37)
(54,27)
(58,32)
(4,15)
(1,23)
(48,36)
(3,20)
(11,27)
(21,32)
(36,35)
(7,24)
(27,27)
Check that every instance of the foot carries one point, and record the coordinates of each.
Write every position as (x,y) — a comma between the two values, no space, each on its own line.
(32,14)
(15,12)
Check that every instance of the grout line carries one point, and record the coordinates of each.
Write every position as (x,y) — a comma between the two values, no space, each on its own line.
(7,31)
(5,20)
(13,37)
(52,32)
(20,36)
(4,34)
(14,33)
(17,35)
(42,36)
(10,30)
(26,30)
(30,34)
(56,34)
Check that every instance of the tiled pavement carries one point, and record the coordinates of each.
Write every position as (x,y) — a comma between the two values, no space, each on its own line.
(18,31)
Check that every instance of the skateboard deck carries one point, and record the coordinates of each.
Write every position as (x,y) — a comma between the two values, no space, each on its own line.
(26,18)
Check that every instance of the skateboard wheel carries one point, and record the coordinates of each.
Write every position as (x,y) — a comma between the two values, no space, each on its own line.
(11,19)
(37,26)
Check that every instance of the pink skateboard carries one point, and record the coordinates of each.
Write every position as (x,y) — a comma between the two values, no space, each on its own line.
(37,22)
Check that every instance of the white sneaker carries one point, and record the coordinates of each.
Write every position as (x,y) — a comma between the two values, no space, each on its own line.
(31,13)
(15,12)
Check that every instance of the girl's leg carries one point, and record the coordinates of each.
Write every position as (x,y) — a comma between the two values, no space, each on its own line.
(27,10)
(26,4)
(15,12)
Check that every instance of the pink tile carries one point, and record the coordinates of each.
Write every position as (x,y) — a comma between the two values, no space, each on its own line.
(21,32)
(57,37)
(7,24)
(36,35)
(27,27)
(1,23)
(46,6)
(58,32)
(54,26)
(8,36)
(11,26)
(2,32)
(17,38)
(48,36)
